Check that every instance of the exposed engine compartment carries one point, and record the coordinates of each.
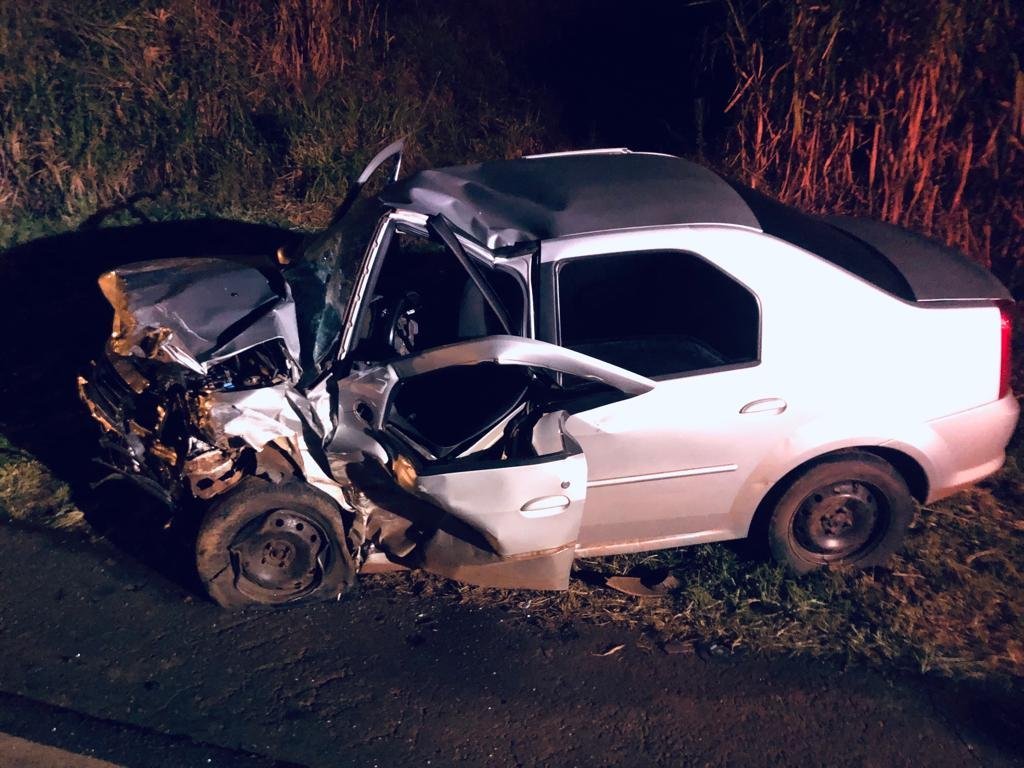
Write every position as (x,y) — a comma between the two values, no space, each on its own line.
(191,337)
(157,426)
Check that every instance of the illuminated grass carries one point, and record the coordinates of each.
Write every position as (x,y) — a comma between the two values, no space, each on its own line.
(30,492)
(249,110)
(908,113)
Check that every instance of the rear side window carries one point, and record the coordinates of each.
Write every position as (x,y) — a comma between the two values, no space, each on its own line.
(656,312)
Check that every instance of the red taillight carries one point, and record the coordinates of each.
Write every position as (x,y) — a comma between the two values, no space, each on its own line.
(1005,361)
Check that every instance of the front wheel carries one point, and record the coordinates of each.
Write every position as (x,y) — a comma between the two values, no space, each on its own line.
(851,510)
(273,544)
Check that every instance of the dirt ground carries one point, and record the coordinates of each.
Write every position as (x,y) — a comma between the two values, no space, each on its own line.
(106,649)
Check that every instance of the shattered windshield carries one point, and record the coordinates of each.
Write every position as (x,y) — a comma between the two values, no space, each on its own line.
(321,277)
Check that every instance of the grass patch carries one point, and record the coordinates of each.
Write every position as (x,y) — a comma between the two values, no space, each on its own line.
(31,493)
(257,108)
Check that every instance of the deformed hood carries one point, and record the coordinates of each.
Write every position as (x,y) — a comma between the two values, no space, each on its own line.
(197,311)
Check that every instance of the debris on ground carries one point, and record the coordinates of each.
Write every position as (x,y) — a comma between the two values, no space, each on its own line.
(644,586)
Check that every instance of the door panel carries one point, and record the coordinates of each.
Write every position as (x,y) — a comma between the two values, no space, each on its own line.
(521,508)
(364,396)
(669,464)
(666,466)
(509,524)
(504,511)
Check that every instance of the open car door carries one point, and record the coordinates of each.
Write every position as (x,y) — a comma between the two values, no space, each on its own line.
(470,473)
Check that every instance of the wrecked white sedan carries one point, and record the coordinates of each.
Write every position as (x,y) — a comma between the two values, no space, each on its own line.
(547,358)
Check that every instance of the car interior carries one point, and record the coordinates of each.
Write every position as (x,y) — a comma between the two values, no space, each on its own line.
(423,298)
(657,313)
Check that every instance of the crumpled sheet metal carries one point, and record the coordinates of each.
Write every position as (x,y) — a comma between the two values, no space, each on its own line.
(256,416)
(212,472)
(417,533)
(262,416)
(201,311)
(446,554)
(350,441)
(198,311)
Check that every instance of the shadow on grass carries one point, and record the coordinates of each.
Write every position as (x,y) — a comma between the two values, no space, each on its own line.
(57,320)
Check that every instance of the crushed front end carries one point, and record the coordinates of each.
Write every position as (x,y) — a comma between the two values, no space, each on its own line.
(198,386)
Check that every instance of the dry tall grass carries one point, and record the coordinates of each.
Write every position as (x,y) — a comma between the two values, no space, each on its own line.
(259,108)
(908,112)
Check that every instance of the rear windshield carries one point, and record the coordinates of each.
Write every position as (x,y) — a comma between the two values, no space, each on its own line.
(822,239)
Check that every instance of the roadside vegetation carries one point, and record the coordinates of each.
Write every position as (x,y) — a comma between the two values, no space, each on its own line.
(252,110)
(259,110)
(908,112)
(30,492)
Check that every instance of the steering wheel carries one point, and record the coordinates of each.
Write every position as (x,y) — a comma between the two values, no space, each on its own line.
(404,327)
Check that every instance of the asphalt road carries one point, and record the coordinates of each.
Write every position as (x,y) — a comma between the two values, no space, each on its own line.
(102,656)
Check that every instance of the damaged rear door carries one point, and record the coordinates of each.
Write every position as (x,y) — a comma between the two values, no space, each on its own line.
(471,473)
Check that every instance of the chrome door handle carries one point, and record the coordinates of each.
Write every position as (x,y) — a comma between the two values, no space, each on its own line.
(765,405)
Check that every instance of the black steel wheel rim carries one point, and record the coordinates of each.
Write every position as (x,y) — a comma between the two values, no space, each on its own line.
(280,555)
(839,520)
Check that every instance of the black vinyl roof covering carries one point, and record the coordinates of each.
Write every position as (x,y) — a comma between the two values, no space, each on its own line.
(892,258)
(501,203)
(934,271)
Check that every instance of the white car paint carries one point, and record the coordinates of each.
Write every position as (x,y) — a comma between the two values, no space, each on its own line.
(902,369)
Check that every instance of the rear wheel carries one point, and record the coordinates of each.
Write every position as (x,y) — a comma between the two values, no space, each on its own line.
(851,510)
(273,544)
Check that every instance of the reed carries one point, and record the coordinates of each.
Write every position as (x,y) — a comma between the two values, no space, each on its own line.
(908,112)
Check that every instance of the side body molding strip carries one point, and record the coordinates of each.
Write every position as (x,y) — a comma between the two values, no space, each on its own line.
(663,475)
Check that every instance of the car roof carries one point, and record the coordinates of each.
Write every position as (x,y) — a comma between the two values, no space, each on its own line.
(504,203)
